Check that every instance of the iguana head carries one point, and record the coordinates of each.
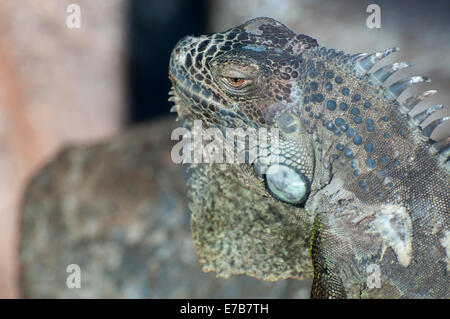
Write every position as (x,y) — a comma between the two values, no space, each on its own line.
(248,77)
(231,78)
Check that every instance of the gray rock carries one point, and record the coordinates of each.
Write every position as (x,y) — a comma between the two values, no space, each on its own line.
(118,210)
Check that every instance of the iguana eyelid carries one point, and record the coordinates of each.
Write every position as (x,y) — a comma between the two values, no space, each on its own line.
(227,83)
(225,77)
(234,74)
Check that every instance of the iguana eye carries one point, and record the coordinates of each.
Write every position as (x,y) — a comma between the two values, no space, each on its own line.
(287,184)
(237,82)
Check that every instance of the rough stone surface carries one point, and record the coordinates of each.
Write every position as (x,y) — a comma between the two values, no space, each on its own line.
(119,211)
(57,85)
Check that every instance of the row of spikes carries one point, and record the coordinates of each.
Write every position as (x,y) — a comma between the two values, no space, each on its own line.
(361,63)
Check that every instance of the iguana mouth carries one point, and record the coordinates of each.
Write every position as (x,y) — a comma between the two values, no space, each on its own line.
(180,107)
(193,101)
(185,92)
(179,93)
(194,89)
(190,98)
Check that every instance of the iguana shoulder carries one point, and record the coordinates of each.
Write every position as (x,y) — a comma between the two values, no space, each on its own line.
(393,186)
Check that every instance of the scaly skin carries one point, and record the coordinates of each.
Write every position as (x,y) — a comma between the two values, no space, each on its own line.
(377,185)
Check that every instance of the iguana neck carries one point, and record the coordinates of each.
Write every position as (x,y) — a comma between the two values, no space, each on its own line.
(359,135)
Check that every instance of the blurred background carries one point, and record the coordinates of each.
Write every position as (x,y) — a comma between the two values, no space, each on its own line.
(84,134)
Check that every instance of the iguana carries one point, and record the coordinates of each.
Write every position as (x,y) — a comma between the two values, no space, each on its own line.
(359,197)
